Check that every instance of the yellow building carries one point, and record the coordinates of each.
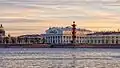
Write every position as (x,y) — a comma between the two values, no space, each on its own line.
(103,38)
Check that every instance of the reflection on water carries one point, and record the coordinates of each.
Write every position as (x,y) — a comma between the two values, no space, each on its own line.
(59,58)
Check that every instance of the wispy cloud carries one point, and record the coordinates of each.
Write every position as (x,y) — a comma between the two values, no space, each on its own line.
(19,20)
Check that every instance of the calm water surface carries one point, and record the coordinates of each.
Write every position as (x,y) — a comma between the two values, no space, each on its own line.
(59,58)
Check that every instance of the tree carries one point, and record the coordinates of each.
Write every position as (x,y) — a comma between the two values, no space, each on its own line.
(43,40)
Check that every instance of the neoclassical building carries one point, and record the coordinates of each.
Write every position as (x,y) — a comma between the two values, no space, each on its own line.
(29,39)
(103,38)
(63,35)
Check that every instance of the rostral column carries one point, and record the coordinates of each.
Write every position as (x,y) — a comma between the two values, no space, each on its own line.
(73,33)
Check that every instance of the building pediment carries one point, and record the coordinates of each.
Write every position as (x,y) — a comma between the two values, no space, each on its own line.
(53,31)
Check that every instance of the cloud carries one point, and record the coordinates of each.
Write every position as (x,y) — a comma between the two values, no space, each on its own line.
(57,13)
(19,20)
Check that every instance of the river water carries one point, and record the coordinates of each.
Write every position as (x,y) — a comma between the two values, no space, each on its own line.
(59,58)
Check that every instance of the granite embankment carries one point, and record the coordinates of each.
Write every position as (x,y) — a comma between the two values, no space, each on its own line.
(24,46)
(59,45)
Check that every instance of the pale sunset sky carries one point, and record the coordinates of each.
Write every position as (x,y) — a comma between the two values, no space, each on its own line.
(35,16)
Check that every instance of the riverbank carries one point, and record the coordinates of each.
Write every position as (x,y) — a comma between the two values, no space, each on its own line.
(59,45)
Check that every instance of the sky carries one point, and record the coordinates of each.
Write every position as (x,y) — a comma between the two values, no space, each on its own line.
(35,16)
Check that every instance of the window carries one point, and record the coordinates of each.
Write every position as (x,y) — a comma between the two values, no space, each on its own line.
(102,41)
(98,41)
(112,41)
(88,41)
(51,37)
(56,41)
(116,41)
(69,37)
(91,41)
(64,36)
(58,36)
(53,41)
(106,41)
(95,41)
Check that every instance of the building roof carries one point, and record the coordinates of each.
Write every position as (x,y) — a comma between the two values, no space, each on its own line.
(33,35)
(69,28)
(104,33)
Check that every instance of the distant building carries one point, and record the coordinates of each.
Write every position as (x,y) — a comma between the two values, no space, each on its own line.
(60,35)
(30,39)
(2,33)
(103,38)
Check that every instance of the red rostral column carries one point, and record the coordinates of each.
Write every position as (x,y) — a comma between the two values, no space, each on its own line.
(73,32)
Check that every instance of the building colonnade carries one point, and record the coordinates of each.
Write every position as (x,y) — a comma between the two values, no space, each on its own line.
(63,39)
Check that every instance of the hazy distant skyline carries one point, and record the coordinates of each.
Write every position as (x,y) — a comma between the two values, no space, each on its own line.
(34,16)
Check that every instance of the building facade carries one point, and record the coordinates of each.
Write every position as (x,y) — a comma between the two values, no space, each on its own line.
(103,38)
(29,39)
(60,35)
